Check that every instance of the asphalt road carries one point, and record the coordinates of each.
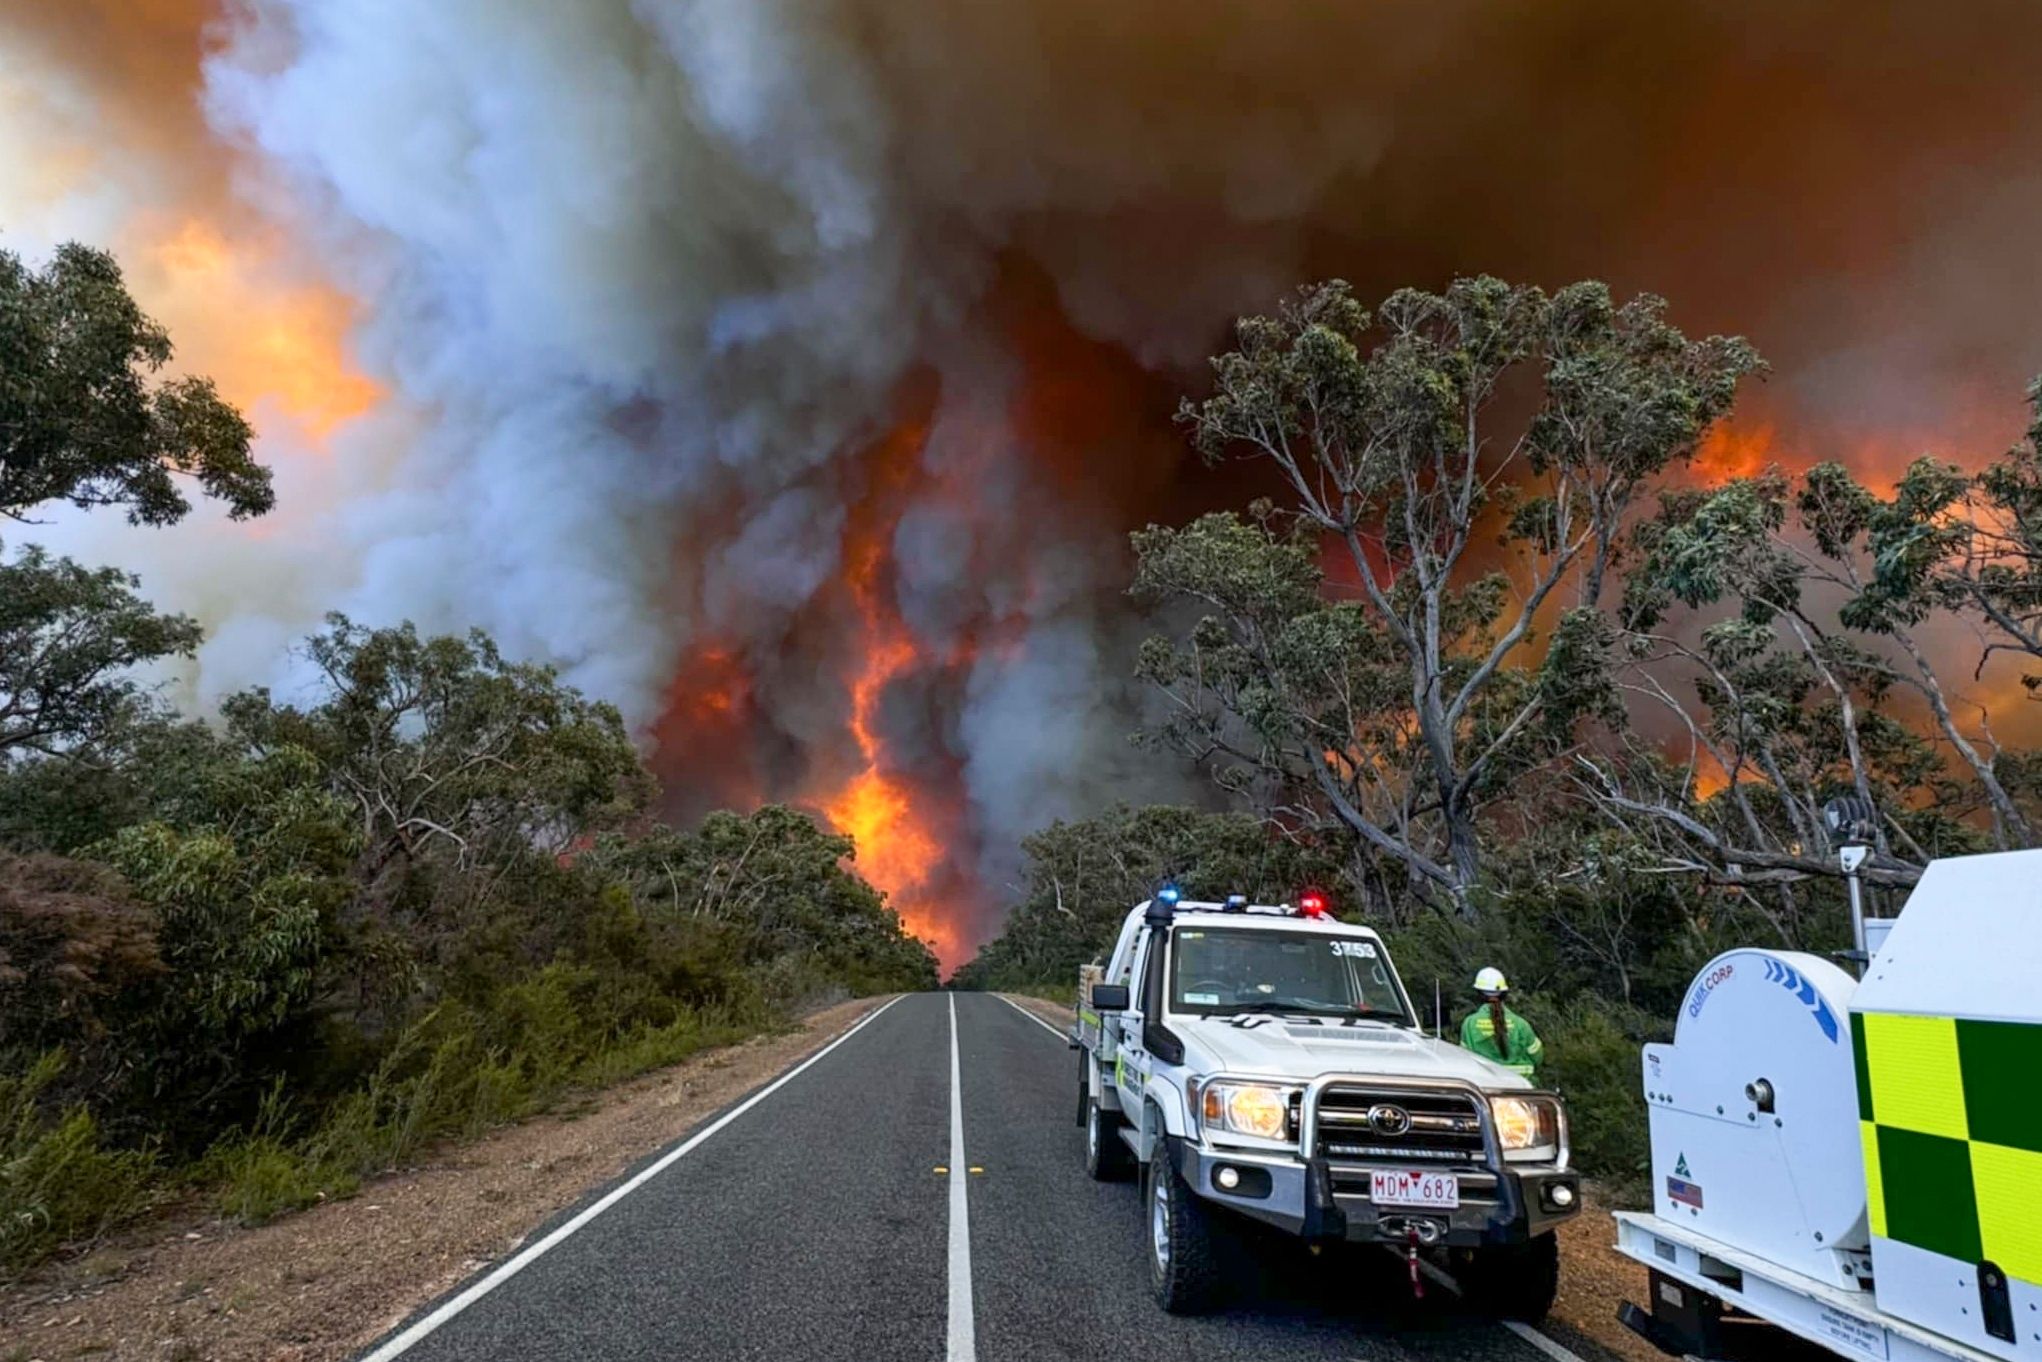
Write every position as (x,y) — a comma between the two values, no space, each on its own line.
(818,1219)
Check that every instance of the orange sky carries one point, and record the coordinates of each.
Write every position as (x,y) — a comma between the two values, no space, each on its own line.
(103,98)
(1848,186)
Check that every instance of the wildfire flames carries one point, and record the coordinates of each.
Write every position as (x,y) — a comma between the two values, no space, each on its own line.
(900,849)
(898,852)
(634,338)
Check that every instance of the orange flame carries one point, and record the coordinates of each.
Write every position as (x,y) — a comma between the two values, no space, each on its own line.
(1746,446)
(1731,451)
(703,734)
(1710,779)
(899,851)
(258,337)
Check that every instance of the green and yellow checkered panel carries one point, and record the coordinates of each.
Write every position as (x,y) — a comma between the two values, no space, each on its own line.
(1951,1116)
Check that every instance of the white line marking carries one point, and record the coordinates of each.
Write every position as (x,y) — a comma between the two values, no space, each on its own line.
(963,1343)
(1559,1352)
(511,1267)
(1032,1017)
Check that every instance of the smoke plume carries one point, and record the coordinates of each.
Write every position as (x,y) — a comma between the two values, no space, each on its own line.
(789,372)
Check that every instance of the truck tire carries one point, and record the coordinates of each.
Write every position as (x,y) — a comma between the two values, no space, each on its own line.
(1512,1281)
(1186,1239)
(1107,1157)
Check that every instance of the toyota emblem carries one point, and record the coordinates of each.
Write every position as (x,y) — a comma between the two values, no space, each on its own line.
(1388,1120)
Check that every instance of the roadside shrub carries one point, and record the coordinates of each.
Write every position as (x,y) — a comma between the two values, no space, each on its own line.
(457,1072)
(1592,1056)
(656,1047)
(58,1181)
(264,1172)
(261,1177)
(77,962)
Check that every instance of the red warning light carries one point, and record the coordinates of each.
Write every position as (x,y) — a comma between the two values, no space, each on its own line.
(1312,903)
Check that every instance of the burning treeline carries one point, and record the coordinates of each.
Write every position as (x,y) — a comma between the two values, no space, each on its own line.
(794,371)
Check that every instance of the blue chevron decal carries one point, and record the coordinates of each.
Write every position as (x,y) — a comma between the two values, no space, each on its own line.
(1789,978)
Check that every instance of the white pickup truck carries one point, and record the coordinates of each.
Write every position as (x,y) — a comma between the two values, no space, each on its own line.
(1264,1062)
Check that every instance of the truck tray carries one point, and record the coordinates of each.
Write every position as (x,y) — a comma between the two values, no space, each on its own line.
(1848,1323)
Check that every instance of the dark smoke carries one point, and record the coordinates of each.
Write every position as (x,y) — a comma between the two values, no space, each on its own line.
(653,278)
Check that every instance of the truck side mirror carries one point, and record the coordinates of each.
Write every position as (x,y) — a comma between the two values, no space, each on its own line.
(1109,997)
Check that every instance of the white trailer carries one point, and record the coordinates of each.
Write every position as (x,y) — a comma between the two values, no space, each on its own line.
(1859,1162)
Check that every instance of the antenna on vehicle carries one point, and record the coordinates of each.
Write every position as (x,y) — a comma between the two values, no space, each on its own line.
(1852,822)
(1438,1012)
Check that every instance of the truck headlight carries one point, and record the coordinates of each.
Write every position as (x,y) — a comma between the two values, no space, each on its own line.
(1247,1109)
(1528,1129)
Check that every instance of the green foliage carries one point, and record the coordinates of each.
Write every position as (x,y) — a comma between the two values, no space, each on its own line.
(302,949)
(779,889)
(1708,544)
(448,730)
(240,924)
(448,755)
(262,1177)
(1592,1049)
(1082,877)
(66,802)
(243,943)
(245,868)
(79,420)
(70,638)
(457,1072)
(263,1172)
(1395,702)
(59,1183)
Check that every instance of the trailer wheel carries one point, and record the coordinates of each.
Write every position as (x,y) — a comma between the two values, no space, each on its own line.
(1107,1157)
(1187,1241)
(1512,1281)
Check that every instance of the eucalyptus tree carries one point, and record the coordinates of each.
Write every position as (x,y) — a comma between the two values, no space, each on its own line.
(83,416)
(1458,471)
(86,420)
(448,753)
(1798,636)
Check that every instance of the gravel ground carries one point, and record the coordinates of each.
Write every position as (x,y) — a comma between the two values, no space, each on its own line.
(763,1243)
(321,1284)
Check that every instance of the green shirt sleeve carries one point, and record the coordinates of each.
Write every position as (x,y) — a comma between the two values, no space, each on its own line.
(1524,1041)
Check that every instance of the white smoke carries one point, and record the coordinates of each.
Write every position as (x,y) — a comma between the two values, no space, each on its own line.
(630,308)
(642,276)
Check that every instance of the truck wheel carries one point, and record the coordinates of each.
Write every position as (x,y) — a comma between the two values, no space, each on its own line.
(1186,1240)
(1512,1281)
(1107,1157)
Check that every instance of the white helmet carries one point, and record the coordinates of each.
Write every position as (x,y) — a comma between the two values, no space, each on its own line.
(1491,980)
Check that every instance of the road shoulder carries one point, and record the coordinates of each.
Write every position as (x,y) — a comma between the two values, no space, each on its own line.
(326,1282)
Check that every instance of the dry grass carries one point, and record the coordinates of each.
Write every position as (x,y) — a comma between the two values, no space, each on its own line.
(323,1283)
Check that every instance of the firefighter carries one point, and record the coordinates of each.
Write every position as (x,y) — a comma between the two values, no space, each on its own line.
(1493,1031)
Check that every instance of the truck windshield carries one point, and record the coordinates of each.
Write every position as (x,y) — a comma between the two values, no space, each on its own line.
(1217,971)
